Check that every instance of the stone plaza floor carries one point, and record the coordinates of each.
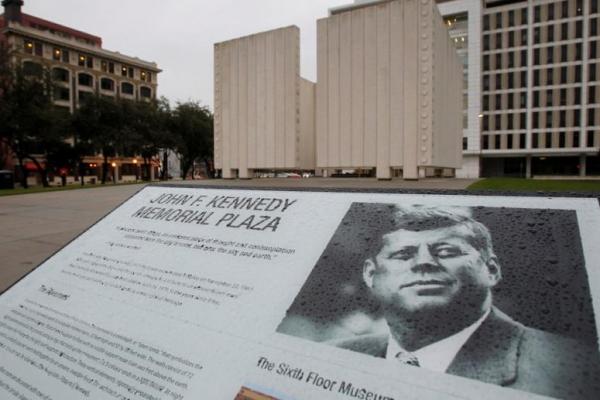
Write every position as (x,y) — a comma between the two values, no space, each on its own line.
(34,226)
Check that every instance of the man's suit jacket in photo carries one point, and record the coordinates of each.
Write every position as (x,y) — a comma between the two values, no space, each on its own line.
(507,353)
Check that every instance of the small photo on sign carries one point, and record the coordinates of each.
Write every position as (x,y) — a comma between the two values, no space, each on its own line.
(499,295)
(247,393)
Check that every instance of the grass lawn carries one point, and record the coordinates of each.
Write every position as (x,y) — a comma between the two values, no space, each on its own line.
(41,189)
(533,185)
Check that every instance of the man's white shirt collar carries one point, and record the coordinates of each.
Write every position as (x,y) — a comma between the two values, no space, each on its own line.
(439,355)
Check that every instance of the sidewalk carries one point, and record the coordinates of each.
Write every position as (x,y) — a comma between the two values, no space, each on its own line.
(34,226)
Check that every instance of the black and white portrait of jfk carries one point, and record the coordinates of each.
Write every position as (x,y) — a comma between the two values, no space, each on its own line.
(432,271)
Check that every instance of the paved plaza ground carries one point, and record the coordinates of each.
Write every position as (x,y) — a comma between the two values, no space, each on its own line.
(34,226)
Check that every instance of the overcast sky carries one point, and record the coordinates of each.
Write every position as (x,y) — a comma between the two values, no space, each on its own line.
(179,34)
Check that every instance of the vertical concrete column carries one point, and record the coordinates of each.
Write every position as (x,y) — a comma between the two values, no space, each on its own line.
(227,173)
(582,165)
(528,167)
(383,173)
(245,173)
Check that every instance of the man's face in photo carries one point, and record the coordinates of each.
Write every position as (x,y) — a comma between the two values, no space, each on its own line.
(430,270)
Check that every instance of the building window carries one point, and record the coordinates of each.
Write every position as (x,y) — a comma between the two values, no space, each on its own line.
(523,100)
(107,84)
(81,60)
(123,71)
(550,11)
(589,139)
(498,20)
(127,88)
(28,46)
(575,139)
(537,14)
(563,97)
(564,31)
(591,117)
(486,142)
(576,118)
(31,68)
(145,92)
(536,77)
(523,121)
(497,122)
(578,73)
(522,139)
(565,9)
(563,75)
(592,73)
(60,75)
(561,140)
(498,44)
(486,82)
(534,140)
(496,141)
(486,22)
(62,94)
(593,26)
(498,102)
(579,7)
(511,59)
(509,122)
(592,95)
(578,29)
(550,33)
(465,143)
(549,76)
(536,98)
(523,58)
(536,56)
(578,51)
(511,80)
(509,141)
(511,38)
(537,35)
(548,119)
(510,101)
(499,61)
(524,16)
(562,118)
(104,66)
(486,62)
(564,51)
(593,6)
(523,37)
(485,123)
(65,56)
(498,81)
(535,119)
(85,80)
(577,96)
(486,42)
(111,67)
(593,50)
(486,103)
(56,53)
(549,55)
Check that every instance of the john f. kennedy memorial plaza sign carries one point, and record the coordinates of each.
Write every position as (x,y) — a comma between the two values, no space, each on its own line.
(206,293)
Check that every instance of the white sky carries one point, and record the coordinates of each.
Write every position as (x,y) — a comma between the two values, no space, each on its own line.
(179,34)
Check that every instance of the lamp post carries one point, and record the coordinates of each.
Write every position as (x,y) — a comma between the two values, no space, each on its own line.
(135,166)
(114,165)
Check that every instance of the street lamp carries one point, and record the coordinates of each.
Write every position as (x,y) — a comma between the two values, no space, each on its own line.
(114,165)
(135,166)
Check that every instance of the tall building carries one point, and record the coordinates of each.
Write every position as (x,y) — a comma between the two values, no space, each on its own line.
(387,98)
(80,67)
(537,64)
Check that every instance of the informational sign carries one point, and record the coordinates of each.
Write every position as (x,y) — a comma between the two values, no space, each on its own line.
(193,293)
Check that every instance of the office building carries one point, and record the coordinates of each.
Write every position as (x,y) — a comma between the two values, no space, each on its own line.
(80,67)
(538,94)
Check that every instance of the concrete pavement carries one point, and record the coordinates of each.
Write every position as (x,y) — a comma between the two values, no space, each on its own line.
(34,226)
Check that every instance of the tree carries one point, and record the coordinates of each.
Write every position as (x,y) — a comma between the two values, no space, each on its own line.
(192,129)
(30,123)
(98,126)
(147,126)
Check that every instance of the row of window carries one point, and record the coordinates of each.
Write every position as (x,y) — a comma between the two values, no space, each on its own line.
(541,55)
(83,60)
(508,80)
(64,94)
(544,119)
(541,140)
(540,98)
(541,13)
